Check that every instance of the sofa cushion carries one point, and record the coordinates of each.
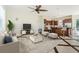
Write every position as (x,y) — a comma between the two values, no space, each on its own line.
(12,47)
(7,39)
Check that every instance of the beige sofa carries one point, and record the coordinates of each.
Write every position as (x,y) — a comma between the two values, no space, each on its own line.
(12,47)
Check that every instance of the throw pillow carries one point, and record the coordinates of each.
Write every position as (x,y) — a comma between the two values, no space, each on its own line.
(7,39)
(14,38)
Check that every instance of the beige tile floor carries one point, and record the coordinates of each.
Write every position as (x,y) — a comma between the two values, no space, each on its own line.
(77,48)
(73,42)
(65,49)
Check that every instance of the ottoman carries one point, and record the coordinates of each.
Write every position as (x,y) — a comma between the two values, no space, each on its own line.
(53,35)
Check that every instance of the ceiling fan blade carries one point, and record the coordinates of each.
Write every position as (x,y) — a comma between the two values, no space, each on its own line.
(42,10)
(37,12)
(30,7)
(38,6)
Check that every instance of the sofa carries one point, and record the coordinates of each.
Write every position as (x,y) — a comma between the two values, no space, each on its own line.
(11,47)
(50,35)
(53,35)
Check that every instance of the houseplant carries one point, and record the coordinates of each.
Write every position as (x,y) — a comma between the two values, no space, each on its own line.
(10,26)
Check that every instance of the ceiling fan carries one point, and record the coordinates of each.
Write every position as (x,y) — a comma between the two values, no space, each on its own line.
(37,9)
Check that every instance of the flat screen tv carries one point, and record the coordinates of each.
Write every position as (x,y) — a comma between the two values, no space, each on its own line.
(26,26)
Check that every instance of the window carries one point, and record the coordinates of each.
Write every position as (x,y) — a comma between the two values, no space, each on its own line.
(2,19)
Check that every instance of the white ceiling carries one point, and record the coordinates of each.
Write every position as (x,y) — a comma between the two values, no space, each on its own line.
(53,10)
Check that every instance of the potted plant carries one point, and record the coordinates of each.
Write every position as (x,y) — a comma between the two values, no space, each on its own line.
(10,27)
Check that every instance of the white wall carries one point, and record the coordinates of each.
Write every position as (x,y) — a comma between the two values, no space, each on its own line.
(23,15)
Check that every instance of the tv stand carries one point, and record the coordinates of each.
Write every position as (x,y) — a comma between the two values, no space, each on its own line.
(27,31)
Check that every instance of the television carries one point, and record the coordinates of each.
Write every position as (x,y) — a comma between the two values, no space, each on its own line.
(26,26)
